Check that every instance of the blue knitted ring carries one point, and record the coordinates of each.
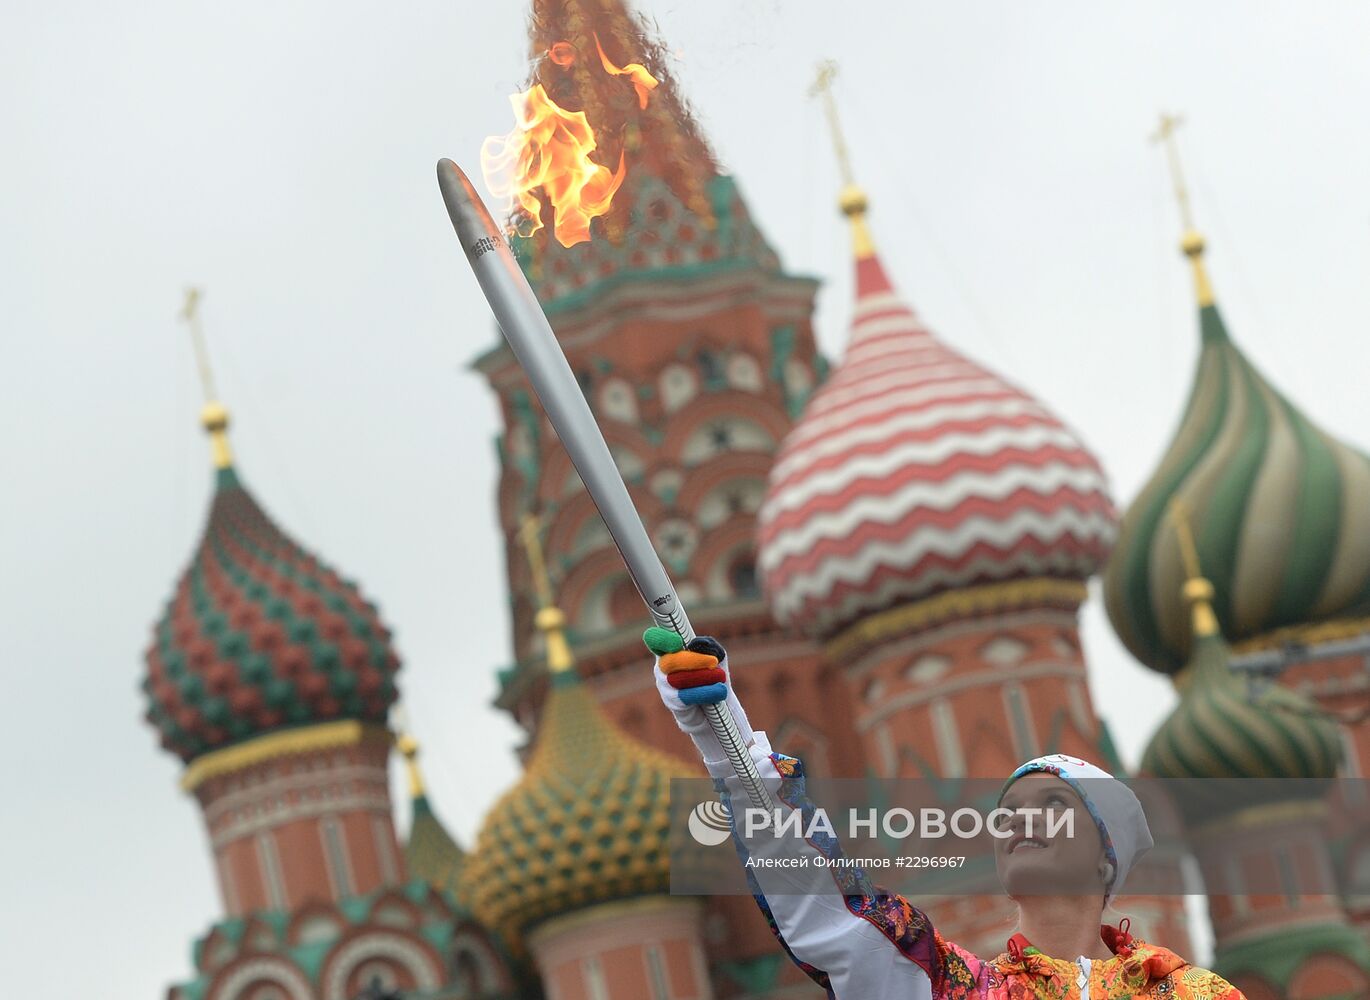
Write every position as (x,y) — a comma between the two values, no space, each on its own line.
(708,694)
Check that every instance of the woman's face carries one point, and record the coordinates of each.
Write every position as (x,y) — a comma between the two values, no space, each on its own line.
(1060,852)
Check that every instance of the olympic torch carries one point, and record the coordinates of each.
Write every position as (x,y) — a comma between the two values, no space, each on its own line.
(530,336)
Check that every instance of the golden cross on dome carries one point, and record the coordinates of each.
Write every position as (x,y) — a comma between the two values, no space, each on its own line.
(190,314)
(852,199)
(822,88)
(531,535)
(549,620)
(1165,136)
(213,415)
(1184,534)
(408,747)
(1192,243)
(1197,590)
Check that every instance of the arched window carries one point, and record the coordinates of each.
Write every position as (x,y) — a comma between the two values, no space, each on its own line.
(947,737)
(798,377)
(1020,721)
(618,401)
(317,929)
(927,668)
(666,484)
(744,373)
(737,497)
(630,466)
(742,577)
(727,434)
(335,851)
(677,387)
(272,876)
(711,370)
(676,540)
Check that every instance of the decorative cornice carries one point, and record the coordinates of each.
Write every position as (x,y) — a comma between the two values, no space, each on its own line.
(1261,818)
(660,297)
(1312,634)
(637,907)
(947,688)
(968,603)
(308,739)
(609,651)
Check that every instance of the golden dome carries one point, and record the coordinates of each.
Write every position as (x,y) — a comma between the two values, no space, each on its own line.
(593,805)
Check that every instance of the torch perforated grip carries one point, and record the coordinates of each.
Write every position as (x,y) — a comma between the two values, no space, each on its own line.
(530,337)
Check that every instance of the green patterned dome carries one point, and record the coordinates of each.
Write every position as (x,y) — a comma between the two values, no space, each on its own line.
(1223,729)
(587,823)
(1281,511)
(260,634)
(430,853)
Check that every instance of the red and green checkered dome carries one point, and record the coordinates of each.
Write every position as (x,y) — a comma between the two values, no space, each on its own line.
(261,635)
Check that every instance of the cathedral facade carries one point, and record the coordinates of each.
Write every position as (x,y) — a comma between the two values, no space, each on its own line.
(893,548)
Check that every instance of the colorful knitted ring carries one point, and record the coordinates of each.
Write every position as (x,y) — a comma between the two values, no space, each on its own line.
(674,663)
(696,678)
(710,694)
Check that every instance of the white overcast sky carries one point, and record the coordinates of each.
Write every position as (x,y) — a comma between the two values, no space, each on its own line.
(282,156)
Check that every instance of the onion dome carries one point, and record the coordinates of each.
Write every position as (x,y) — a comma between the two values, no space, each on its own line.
(1281,511)
(260,634)
(915,470)
(430,854)
(675,212)
(1224,728)
(588,821)
(1221,729)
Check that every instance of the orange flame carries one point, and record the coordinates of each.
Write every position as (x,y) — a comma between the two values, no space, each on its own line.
(643,82)
(550,148)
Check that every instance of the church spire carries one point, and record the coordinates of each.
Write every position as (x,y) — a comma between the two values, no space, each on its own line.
(1192,242)
(603,795)
(572,45)
(408,746)
(550,620)
(1198,592)
(213,415)
(430,853)
(852,200)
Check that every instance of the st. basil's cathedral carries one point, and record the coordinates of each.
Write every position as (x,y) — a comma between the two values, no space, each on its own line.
(894,550)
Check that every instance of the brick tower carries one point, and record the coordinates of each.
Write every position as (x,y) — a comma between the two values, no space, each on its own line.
(1280,928)
(271,676)
(572,864)
(1279,512)
(933,527)
(695,351)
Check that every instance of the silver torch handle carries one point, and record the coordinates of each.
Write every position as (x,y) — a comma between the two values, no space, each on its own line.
(530,336)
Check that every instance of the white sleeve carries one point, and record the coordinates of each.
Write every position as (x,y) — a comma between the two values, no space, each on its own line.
(849,943)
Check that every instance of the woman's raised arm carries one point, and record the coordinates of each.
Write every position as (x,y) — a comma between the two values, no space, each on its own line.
(851,938)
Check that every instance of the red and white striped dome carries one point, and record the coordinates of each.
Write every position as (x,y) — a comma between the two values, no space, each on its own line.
(914,471)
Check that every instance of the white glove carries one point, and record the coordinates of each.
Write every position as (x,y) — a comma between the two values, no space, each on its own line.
(700,672)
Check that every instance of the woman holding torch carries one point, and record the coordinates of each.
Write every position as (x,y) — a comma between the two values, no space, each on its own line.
(868,945)
(864,944)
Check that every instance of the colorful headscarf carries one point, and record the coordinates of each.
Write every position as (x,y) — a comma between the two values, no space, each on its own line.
(1114,807)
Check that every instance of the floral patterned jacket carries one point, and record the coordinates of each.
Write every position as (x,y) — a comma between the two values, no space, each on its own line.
(860,943)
